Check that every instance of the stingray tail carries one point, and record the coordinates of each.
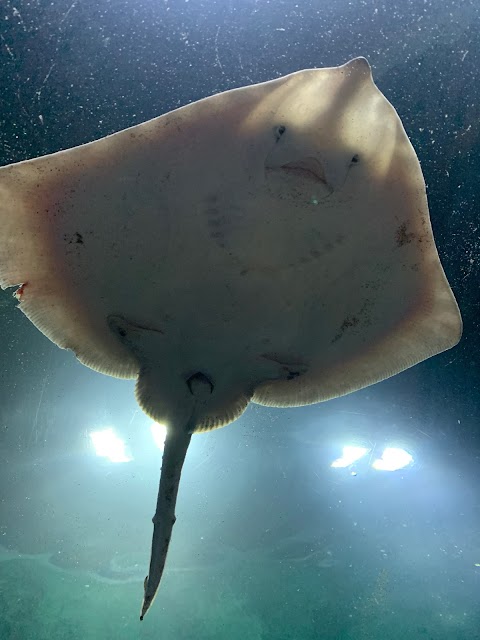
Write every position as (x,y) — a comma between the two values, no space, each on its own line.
(175,450)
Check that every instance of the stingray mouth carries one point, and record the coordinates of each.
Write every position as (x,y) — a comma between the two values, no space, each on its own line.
(307,169)
(304,178)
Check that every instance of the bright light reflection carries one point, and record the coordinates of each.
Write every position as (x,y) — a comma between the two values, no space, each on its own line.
(393,459)
(108,445)
(350,455)
(159,432)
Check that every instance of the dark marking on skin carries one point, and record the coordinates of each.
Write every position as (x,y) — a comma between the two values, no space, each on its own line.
(374,285)
(365,312)
(363,316)
(348,323)
(77,238)
(402,237)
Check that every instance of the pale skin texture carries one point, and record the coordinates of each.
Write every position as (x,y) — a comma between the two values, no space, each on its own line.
(271,243)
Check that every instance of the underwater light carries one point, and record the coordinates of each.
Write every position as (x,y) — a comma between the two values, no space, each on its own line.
(108,445)
(350,455)
(393,459)
(159,432)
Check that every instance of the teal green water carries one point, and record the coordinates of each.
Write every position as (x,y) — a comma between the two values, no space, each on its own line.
(64,606)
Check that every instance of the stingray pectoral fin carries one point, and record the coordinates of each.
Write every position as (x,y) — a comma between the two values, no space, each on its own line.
(176,445)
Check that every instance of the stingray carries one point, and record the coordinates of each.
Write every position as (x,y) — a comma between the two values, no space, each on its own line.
(270,244)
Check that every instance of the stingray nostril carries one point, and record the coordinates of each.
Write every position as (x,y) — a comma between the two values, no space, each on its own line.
(279,131)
